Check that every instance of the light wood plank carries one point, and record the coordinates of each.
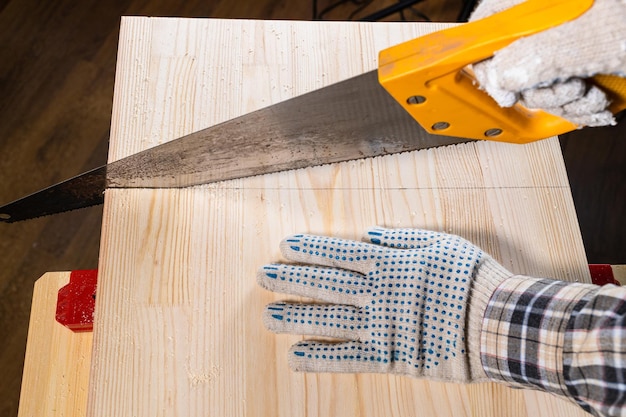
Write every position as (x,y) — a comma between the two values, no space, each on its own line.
(57,363)
(178,322)
(619,271)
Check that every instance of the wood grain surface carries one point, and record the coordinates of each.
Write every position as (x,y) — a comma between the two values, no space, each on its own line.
(178,316)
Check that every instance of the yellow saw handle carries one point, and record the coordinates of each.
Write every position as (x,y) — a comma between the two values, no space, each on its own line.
(430,78)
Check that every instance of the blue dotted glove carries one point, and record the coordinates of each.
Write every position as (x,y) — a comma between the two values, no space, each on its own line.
(407,302)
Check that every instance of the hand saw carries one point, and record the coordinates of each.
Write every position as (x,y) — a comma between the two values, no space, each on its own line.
(425,80)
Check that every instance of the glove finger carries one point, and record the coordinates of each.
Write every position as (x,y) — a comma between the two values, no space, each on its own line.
(328,251)
(489,80)
(563,52)
(338,321)
(586,109)
(604,118)
(554,96)
(325,284)
(347,357)
(402,238)
(593,101)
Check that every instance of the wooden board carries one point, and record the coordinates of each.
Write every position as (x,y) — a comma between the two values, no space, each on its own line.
(56,368)
(619,272)
(178,318)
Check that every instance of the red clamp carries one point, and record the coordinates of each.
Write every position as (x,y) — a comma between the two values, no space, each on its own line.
(76,301)
(602,274)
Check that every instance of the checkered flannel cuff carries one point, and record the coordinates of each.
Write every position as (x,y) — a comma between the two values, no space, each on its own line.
(523,332)
(595,353)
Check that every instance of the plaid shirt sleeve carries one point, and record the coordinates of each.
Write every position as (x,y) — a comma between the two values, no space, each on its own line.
(565,338)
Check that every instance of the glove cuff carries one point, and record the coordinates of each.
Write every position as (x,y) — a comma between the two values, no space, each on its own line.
(489,276)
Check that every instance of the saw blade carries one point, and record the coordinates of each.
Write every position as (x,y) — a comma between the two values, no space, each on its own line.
(349,120)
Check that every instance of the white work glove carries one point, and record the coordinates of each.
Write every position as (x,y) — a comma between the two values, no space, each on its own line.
(409,302)
(546,70)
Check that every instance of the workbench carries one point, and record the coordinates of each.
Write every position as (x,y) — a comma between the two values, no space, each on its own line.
(177,327)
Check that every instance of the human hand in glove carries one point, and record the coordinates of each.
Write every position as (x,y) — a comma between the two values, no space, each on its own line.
(547,70)
(432,305)
(406,301)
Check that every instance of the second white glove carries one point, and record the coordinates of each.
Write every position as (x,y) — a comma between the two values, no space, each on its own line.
(546,70)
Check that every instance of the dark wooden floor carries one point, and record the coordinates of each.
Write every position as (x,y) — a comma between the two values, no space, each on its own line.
(57,63)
